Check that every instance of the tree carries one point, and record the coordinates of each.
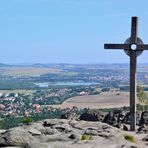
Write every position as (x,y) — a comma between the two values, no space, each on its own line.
(141,96)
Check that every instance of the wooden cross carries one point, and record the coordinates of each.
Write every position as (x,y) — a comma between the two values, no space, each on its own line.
(133,47)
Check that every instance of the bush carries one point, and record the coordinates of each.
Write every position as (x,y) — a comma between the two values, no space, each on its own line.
(129,138)
(27,120)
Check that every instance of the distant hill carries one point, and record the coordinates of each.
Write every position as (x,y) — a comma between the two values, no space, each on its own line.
(69,65)
(39,65)
(4,65)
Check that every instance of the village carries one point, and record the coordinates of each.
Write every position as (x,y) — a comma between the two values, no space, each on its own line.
(17,104)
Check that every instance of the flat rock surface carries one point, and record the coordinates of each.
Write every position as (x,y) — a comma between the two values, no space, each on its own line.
(60,133)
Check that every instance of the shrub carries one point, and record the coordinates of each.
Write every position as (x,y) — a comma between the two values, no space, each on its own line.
(129,138)
(86,137)
(27,120)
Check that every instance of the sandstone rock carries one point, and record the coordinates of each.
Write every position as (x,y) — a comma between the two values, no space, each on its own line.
(91,132)
(125,128)
(16,137)
(105,135)
(11,147)
(128,146)
(143,129)
(145,138)
(52,122)
(144,118)
(63,128)
(65,134)
(126,119)
(109,118)
(54,138)
(70,116)
(2,131)
(34,132)
(48,124)
(138,117)
(74,136)
(92,116)
(49,131)
(38,145)
(115,118)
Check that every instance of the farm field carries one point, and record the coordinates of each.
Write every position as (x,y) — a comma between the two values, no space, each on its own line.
(27,71)
(104,100)
(21,91)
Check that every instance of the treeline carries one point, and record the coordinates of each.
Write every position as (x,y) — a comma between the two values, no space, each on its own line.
(7,122)
(13,121)
(12,85)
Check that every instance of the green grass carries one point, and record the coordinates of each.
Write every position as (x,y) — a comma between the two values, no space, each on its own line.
(129,138)
(86,137)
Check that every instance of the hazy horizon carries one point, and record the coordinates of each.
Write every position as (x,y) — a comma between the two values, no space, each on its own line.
(101,63)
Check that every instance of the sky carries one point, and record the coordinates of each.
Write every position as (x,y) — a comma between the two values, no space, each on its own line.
(68,31)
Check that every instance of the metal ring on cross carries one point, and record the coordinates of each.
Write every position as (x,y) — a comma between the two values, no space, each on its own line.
(133,46)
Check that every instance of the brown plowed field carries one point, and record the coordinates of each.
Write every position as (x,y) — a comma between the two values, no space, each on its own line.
(104,100)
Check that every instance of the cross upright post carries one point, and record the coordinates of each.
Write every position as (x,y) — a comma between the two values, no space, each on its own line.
(133,82)
(133,47)
(133,91)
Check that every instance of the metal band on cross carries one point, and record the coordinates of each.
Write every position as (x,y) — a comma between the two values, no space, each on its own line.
(133,47)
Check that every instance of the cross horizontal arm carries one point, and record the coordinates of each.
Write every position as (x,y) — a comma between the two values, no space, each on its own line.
(143,47)
(116,46)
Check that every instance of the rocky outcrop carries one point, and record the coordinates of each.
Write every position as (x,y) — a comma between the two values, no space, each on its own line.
(69,115)
(143,129)
(16,137)
(118,118)
(145,138)
(115,118)
(92,116)
(144,118)
(60,133)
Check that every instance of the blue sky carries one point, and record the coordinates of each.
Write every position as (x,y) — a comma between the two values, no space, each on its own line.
(68,31)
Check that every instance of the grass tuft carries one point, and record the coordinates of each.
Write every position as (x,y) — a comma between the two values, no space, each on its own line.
(86,137)
(129,138)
